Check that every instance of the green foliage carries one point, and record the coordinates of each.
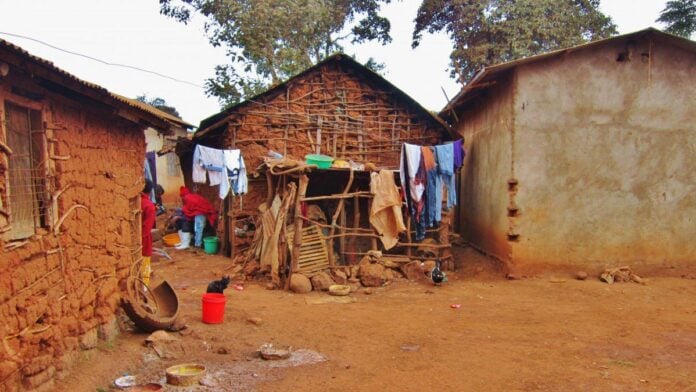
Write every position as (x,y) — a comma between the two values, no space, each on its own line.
(269,41)
(159,103)
(486,32)
(680,17)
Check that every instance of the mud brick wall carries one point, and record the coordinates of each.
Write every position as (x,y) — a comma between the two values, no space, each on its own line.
(59,289)
(334,109)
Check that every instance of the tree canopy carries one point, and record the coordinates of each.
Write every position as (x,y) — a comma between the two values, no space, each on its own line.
(269,41)
(680,17)
(159,103)
(486,32)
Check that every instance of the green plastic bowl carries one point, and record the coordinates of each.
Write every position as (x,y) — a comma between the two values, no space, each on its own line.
(322,161)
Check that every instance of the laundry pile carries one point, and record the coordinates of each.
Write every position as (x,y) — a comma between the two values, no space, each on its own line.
(424,171)
(223,167)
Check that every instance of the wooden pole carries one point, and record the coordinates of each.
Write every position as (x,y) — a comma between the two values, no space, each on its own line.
(269,190)
(408,234)
(339,210)
(373,240)
(356,225)
(297,240)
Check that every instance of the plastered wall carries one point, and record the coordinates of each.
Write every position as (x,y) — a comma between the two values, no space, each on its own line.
(605,157)
(487,128)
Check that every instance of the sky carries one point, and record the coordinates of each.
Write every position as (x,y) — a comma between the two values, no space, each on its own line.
(133,32)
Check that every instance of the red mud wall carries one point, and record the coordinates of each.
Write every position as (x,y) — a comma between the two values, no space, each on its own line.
(59,293)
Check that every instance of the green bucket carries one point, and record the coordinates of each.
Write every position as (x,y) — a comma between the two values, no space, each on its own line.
(210,245)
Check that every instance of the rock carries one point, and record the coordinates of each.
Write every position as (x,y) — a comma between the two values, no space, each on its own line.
(368,291)
(322,281)
(255,320)
(371,275)
(89,340)
(340,277)
(412,271)
(160,336)
(428,266)
(300,284)
(581,275)
(178,324)
(108,331)
(512,276)
(270,286)
(222,350)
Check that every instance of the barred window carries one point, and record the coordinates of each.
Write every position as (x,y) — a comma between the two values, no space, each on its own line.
(28,196)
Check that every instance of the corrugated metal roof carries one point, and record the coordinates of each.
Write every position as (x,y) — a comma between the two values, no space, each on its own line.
(338,57)
(130,102)
(153,110)
(488,72)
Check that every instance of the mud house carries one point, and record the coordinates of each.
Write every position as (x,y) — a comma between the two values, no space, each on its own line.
(159,152)
(583,156)
(337,107)
(71,164)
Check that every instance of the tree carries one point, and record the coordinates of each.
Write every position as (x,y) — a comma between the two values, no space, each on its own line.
(486,32)
(269,41)
(159,103)
(680,17)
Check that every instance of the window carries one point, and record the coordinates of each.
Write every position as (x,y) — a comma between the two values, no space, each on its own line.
(28,196)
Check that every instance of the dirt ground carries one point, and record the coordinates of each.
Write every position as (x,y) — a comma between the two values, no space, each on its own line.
(544,333)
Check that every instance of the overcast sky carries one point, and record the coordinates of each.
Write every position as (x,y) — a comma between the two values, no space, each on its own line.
(133,32)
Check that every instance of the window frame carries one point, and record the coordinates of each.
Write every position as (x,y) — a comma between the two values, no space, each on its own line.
(39,162)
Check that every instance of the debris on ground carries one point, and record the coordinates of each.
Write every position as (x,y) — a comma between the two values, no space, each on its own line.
(581,275)
(620,274)
(269,352)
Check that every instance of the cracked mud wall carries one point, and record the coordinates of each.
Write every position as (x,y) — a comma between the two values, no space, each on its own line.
(59,291)
(605,157)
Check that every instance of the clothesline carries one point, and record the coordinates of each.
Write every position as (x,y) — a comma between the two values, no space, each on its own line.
(225,168)
(423,171)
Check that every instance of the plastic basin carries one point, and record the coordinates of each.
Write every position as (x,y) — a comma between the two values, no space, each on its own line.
(322,161)
(171,239)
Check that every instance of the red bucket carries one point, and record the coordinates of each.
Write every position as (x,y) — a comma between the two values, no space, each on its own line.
(213,308)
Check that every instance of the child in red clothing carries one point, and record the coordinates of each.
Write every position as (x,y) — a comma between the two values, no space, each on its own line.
(148,223)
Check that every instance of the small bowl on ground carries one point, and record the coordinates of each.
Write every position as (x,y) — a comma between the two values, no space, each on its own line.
(339,289)
(125,382)
(185,374)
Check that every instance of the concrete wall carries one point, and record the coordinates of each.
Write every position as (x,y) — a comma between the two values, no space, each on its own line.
(487,127)
(169,181)
(605,157)
(59,291)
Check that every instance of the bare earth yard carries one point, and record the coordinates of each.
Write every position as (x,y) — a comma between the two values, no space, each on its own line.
(538,334)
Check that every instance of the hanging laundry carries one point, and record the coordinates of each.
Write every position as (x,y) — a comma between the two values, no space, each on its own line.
(408,169)
(385,214)
(433,186)
(445,167)
(225,168)
(236,173)
(210,160)
(459,154)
